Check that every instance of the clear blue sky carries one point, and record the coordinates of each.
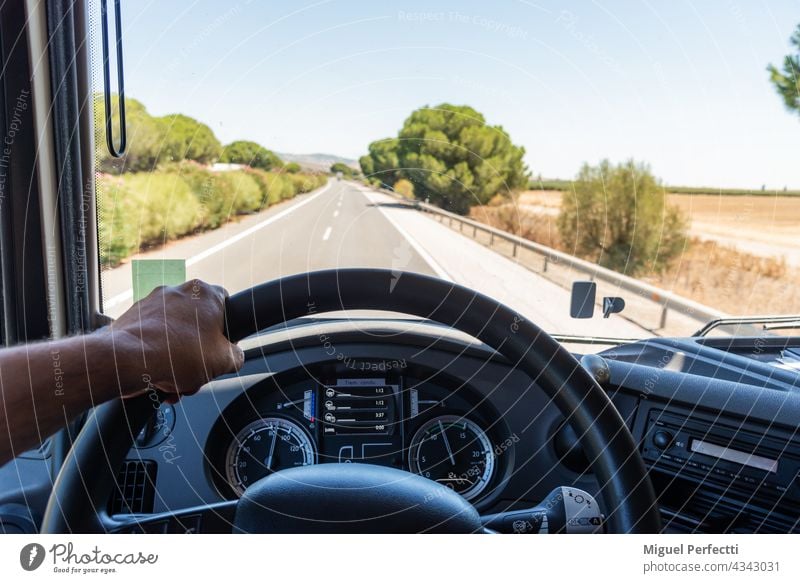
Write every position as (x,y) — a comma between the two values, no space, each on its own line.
(681,85)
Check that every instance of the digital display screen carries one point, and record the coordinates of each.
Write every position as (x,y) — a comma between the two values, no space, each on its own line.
(734,455)
(353,406)
(360,421)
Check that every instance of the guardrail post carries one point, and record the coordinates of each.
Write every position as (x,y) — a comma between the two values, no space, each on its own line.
(544,265)
(514,251)
(491,238)
(474,231)
(663,321)
(461,226)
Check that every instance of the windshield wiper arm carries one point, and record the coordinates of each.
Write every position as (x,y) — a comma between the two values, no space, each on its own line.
(577,339)
(784,326)
(769,323)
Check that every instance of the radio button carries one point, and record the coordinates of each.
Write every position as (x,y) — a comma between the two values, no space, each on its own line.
(662,439)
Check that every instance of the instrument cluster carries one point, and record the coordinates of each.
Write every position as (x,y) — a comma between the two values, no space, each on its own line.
(418,421)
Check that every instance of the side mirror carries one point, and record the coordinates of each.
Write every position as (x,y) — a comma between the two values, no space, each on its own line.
(612,305)
(582,299)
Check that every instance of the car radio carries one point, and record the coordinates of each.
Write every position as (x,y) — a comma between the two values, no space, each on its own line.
(722,453)
(713,469)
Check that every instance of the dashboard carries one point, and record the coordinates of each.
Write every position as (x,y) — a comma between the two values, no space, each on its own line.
(716,421)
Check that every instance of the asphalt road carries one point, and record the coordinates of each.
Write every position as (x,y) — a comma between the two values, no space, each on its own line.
(348,225)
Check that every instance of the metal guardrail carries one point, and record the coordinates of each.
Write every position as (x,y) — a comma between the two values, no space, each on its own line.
(665,299)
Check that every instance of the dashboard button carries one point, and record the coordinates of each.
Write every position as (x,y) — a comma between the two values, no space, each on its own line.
(662,439)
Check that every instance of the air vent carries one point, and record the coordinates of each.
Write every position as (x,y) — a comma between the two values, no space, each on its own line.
(135,488)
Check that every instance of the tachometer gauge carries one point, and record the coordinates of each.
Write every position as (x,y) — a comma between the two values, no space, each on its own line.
(266,446)
(454,452)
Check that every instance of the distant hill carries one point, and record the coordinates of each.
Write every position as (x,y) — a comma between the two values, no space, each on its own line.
(317,161)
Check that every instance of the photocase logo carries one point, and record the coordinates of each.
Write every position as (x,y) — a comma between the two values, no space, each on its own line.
(31,556)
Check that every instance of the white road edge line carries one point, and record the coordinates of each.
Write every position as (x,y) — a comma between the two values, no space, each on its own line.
(119,298)
(426,257)
(327,234)
(128,294)
(257,227)
(335,214)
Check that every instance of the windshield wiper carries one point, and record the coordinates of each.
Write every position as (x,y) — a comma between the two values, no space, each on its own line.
(576,339)
(768,323)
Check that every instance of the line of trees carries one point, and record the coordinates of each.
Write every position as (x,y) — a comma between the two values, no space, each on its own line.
(345,170)
(138,210)
(164,187)
(251,154)
(173,138)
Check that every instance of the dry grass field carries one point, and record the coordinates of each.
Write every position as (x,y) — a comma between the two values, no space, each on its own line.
(743,255)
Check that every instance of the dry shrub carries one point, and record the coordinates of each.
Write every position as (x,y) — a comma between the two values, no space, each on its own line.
(732,281)
(498,200)
(404,188)
(508,217)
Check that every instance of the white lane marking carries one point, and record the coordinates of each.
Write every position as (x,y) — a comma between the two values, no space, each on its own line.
(335,214)
(128,294)
(247,232)
(339,203)
(426,257)
(327,234)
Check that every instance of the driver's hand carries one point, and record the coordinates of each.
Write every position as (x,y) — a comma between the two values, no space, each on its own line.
(174,340)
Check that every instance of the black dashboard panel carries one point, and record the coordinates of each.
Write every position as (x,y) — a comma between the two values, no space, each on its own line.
(704,391)
(717,421)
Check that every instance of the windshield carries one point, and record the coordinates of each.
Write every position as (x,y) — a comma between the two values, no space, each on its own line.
(513,148)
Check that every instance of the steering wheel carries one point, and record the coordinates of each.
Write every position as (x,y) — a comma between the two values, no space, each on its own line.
(360,497)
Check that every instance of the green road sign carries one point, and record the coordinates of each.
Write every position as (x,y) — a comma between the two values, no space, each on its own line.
(148,274)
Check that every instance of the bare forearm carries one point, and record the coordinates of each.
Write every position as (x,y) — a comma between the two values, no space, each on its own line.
(173,341)
(45,385)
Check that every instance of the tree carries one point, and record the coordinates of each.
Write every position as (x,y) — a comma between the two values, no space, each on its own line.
(250,154)
(382,161)
(617,216)
(367,166)
(145,136)
(347,171)
(787,80)
(185,138)
(292,168)
(451,156)
(153,140)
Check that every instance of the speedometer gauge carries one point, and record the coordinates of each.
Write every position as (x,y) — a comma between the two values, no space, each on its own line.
(455,452)
(266,446)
